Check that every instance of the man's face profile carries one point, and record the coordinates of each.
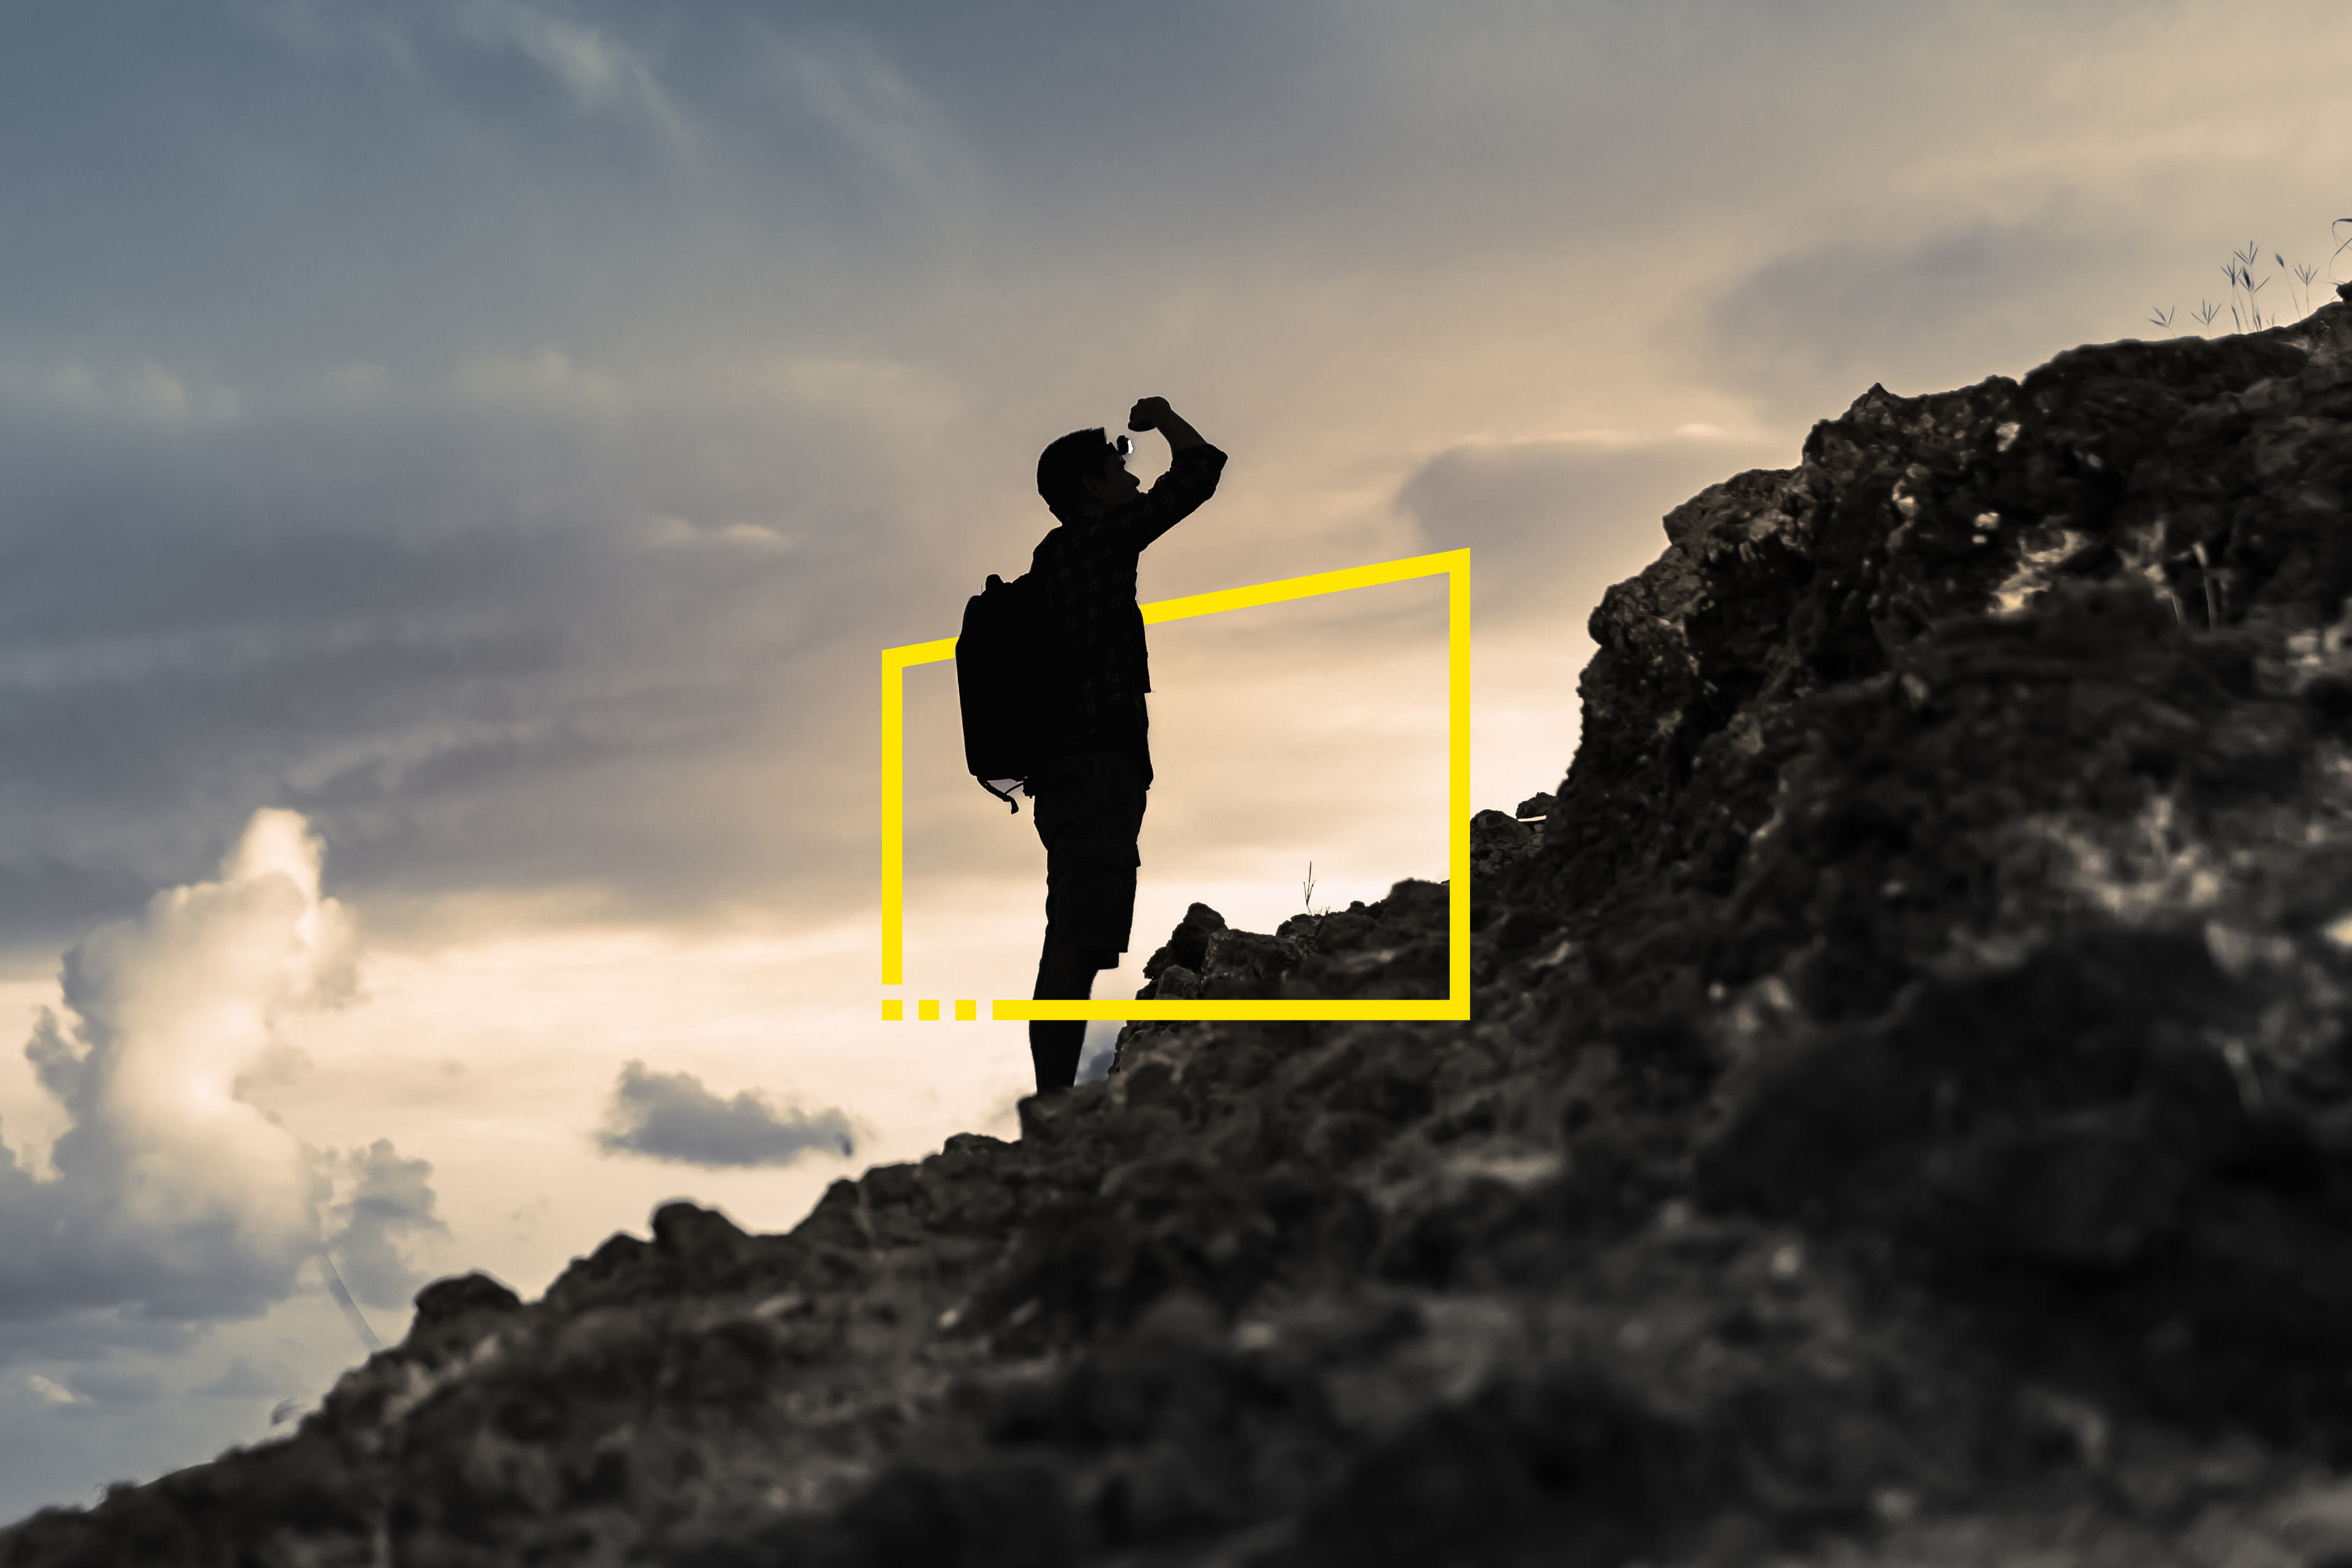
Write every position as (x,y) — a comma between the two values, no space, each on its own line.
(1114,484)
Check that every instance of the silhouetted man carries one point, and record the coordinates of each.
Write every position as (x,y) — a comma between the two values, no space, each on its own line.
(1090,796)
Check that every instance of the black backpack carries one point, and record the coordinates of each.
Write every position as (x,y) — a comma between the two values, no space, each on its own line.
(1005,682)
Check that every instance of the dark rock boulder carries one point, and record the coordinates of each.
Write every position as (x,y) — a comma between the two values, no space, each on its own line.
(1497,840)
(1188,944)
(449,1301)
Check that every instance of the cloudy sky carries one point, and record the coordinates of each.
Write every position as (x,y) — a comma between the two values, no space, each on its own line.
(460,460)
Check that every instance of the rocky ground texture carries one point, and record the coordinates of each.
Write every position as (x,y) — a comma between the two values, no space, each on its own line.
(1906,1118)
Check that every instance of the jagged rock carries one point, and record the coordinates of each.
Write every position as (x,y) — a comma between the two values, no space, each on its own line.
(449,1301)
(1188,944)
(1905,1116)
(1174,983)
(1494,833)
(1536,807)
(1242,963)
(1497,840)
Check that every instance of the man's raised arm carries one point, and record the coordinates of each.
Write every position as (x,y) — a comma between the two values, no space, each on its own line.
(1153,414)
(1190,478)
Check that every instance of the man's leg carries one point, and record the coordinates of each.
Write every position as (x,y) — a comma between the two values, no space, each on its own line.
(1087,817)
(1064,975)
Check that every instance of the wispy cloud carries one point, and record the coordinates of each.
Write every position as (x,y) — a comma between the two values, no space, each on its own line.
(139,389)
(600,72)
(671,1116)
(901,133)
(544,379)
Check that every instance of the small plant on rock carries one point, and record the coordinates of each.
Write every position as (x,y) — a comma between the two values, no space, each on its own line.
(2241,274)
(2248,311)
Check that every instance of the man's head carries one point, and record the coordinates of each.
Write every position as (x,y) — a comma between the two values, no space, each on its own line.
(1084,474)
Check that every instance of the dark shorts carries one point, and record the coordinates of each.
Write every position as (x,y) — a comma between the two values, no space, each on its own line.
(1089,813)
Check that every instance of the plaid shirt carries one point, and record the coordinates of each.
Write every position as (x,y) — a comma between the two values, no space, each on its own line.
(1088,570)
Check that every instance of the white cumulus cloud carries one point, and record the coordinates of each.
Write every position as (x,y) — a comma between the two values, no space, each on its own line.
(175,1197)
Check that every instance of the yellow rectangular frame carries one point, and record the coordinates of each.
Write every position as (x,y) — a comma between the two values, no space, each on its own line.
(1454,566)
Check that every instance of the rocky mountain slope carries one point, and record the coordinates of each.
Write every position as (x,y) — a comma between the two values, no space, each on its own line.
(1906,1118)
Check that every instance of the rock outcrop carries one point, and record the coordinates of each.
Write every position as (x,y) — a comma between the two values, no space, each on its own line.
(1906,1117)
